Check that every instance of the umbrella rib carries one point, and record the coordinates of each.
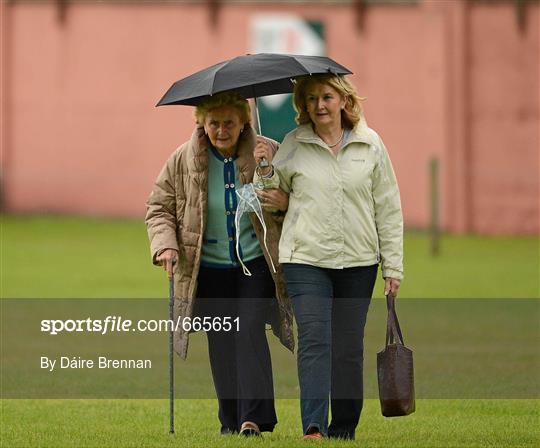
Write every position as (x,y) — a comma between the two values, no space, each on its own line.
(217,71)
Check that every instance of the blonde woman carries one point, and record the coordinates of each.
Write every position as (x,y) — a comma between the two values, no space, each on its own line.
(344,219)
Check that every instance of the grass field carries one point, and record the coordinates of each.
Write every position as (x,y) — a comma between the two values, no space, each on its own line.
(144,423)
(47,257)
(75,257)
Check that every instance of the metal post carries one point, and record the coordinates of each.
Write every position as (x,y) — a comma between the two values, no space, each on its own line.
(434,200)
(171,355)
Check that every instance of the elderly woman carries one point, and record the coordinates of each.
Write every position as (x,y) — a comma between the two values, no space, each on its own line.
(344,218)
(191,226)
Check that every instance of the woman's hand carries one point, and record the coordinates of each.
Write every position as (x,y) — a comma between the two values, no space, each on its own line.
(391,285)
(263,150)
(274,198)
(168,259)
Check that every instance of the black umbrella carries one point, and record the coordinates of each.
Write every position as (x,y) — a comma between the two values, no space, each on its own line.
(251,75)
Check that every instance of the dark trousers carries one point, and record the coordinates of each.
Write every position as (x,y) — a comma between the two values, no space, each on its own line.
(330,307)
(240,360)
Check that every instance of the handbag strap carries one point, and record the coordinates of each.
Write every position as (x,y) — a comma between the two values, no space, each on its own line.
(393,330)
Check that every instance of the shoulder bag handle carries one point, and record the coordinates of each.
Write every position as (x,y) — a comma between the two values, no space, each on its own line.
(393,330)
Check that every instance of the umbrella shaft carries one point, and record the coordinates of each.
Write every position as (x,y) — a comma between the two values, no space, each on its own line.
(263,163)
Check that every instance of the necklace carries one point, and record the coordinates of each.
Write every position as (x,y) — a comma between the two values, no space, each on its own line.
(339,141)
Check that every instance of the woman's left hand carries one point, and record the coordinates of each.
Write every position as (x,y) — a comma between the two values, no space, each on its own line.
(391,285)
(274,198)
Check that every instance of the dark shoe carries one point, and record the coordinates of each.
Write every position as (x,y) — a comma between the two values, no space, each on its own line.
(250,429)
(341,435)
(227,431)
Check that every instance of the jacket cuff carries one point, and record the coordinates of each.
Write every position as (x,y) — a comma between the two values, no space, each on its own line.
(263,182)
(270,174)
(392,273)
(158,252)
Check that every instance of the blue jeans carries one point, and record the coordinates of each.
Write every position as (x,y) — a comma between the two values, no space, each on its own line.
(330,307)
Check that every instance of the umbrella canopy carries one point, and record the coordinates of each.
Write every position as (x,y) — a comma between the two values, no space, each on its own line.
(252,75)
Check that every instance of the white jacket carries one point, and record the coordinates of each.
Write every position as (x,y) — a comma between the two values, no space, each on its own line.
(344,211)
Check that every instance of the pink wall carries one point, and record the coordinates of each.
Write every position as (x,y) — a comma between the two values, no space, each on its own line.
(454,80)
(504,114)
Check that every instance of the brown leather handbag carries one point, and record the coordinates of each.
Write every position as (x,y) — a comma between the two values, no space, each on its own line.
(395,369)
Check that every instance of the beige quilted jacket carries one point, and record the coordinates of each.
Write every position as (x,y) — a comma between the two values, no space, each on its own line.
(176,216)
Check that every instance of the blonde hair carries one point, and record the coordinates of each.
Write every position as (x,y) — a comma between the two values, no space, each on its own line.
(229,98)
(352,112)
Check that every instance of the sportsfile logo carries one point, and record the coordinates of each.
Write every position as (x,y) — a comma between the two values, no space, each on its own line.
(118,324)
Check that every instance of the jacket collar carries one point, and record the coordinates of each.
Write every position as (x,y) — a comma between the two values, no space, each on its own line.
(198,152)
(359,134)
